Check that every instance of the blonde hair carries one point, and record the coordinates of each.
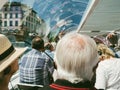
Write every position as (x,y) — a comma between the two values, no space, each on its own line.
(105,52)
(75,57)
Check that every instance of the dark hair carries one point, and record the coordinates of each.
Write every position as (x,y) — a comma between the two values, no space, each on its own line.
(113,39)
(38,43)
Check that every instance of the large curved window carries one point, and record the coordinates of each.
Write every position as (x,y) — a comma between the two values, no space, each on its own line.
(46,18)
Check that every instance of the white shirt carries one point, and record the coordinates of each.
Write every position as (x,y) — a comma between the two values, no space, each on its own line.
(108,75)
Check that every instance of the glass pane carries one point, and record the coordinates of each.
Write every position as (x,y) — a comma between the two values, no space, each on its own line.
(46,18)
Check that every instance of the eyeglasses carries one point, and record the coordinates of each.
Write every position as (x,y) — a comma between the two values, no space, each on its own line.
(100,52)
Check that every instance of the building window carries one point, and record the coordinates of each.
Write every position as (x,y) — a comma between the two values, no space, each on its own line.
(5,23)
(11,23)
(5,9)
(29,19)
(16,8)
(16,15)
(11,15)
(5,15)
(26,23)
(0,16)
(0,22)
(16,23)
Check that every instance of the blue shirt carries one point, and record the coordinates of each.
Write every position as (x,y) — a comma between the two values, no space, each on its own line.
(50,53)
(35,68)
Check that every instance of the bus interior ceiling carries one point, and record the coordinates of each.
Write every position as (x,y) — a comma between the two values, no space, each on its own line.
(105,18)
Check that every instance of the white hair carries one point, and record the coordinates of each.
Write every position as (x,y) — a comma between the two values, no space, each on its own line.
(75,57)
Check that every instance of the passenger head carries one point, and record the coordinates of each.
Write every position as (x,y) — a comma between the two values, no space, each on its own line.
(104,52)
(112,38)
(75,57)
(8,59)
(49,46)
(38,43)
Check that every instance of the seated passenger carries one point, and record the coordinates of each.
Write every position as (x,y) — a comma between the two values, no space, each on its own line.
(108,75)
(8,61)
(107,72)
(113,40)
(75,58)
(35,66)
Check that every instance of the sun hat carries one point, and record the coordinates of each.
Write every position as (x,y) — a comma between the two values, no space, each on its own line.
(8,53)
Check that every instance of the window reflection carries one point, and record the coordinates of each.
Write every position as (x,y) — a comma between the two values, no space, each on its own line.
(43,18)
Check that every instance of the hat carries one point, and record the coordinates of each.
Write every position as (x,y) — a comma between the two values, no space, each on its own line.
(8,53)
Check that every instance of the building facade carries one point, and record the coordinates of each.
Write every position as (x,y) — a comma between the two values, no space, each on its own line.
(19,20)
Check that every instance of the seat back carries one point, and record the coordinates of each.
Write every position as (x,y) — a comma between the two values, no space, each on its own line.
(22,86)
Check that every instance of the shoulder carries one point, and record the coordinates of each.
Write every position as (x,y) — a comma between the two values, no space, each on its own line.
(109,63)
(111,60)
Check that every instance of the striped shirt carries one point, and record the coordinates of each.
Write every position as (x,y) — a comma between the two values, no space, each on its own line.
(35,68)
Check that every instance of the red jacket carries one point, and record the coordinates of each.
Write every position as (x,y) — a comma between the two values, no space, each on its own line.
(66,85)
